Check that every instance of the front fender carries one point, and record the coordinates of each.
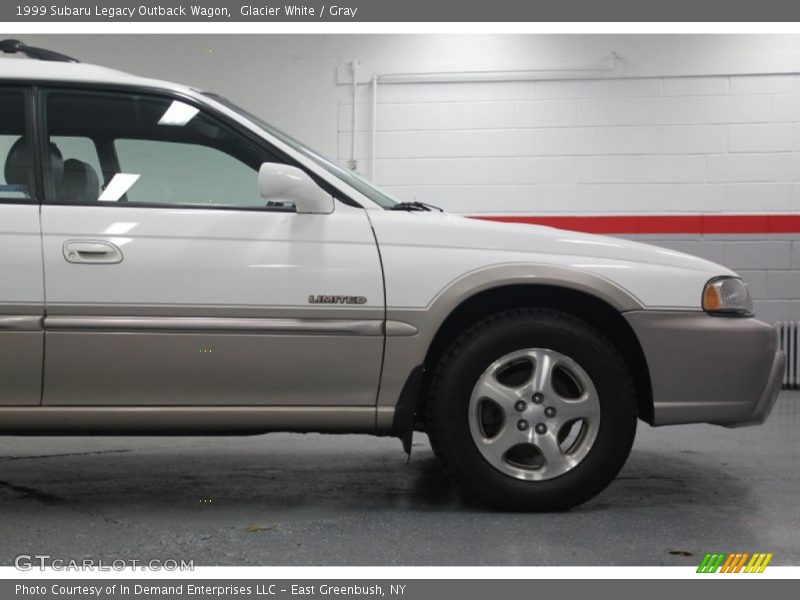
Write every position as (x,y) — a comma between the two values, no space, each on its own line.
(404,353)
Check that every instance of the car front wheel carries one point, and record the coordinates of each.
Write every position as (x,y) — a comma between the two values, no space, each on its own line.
(532,409)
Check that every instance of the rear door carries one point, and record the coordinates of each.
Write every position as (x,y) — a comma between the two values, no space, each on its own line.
(21,290)
(169,281)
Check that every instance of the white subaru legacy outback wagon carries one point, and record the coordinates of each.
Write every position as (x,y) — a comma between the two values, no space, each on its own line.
(170,264)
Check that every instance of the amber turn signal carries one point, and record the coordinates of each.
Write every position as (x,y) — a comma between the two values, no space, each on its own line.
(727,296)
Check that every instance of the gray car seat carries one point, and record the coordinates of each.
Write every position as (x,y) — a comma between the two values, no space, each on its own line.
(18,169)
(79,183)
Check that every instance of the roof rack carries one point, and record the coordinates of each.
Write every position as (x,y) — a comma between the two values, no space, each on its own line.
(17,47)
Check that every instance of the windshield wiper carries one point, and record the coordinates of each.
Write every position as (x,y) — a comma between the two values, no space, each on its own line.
(412,206)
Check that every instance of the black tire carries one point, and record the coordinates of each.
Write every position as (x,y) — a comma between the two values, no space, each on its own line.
(470,355)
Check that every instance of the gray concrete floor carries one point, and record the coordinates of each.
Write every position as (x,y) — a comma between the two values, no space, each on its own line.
(287,499)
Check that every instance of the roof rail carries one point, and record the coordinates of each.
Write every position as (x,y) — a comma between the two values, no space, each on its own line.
(17,47)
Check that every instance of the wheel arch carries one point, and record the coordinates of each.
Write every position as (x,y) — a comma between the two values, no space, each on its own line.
(598,312)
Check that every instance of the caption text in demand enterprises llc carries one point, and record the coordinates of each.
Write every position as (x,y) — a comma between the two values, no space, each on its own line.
(217,591)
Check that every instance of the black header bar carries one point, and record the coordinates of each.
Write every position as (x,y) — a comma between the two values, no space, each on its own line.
(399,11)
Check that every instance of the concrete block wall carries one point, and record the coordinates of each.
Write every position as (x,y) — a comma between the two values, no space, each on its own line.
(642,146)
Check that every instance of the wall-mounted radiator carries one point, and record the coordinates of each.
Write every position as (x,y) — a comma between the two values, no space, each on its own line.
(787,341)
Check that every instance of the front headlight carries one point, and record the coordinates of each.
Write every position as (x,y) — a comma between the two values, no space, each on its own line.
(727,296)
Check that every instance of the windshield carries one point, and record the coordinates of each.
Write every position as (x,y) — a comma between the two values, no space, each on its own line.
(351,178)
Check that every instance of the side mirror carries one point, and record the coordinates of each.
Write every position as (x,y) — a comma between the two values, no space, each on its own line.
(287,184)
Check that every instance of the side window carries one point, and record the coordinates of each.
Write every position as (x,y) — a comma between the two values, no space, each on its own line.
(16,157)
(146,150)
(176,173)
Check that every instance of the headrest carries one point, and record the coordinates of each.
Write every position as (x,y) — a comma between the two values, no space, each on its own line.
(19,163)
(80,182)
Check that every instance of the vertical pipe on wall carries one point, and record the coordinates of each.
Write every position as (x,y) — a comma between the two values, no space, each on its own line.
(353,162)
(373,150)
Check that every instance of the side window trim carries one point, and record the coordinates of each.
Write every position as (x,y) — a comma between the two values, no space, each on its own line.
(47,195)
(46,188)
(36,132)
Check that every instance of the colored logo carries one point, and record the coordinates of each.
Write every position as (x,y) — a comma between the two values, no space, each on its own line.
(738,562)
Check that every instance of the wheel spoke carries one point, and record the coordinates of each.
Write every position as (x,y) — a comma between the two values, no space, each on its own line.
(495,448)
(587,407)
(542,381)
(548,445)
(504,396)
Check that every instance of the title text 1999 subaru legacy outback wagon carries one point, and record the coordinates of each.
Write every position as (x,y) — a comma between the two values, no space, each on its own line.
(170,264)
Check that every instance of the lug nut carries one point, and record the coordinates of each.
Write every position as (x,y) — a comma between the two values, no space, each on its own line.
(520,405)
(522,425)
(550,411)
(538,398)
(541,428)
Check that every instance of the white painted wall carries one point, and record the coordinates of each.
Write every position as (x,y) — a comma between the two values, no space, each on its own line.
(642,145)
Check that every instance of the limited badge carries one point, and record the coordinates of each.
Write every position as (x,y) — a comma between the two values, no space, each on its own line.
(325,299)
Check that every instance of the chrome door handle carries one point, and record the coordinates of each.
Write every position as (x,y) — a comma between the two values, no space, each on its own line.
(92,252)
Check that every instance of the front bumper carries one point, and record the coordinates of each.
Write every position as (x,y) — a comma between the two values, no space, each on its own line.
(706,369)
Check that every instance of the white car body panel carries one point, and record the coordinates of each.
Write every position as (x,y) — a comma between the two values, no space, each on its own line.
(200,257)
(21,256)
(246,275)
(435,249)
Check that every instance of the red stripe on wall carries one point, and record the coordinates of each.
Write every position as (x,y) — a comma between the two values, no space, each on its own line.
(784,223)
(665,224)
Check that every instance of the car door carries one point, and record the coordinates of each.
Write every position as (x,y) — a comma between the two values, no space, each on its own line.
(21,290)
(169,281)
